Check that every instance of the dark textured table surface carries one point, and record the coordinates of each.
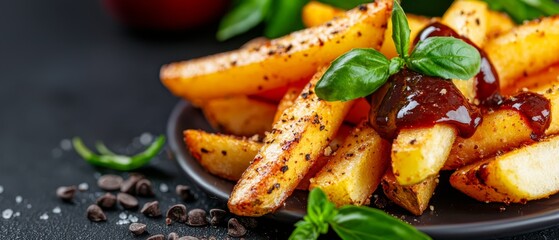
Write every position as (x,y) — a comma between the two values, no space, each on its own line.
(66,69)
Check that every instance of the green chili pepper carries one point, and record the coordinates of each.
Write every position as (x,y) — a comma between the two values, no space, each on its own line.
(111,160)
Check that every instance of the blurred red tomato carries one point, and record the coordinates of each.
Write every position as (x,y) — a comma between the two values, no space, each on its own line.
(166,14)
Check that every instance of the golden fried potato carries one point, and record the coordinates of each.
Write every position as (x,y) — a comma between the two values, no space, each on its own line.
(498,23)
(222,155)
(539,82)
(526,49)
(414,198)
(526,173)
(287,101)
(468,18)
(284,60)
(317,13)
(289,151)
(240,116)
(355,170)
(420,153)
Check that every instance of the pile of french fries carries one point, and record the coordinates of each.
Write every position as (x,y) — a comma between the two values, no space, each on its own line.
(277,136)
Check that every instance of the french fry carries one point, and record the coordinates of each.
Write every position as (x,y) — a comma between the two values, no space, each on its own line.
(355,170)
(223,155)
(500,131)
(287,101)
(525,50)
(239,115)
(524,174)
(414,198)
(317,13)
(420,153)
(289,151)
(416,23)
(498,23)
(539,82)
(284,60)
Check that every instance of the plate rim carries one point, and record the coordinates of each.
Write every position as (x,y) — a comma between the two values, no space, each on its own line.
(484,229)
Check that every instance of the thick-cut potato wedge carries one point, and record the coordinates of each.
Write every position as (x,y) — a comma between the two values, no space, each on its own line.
(355,170)
(525,49)
(414,198)
(222,155)
(284,60)
(500,131)
(287,101)
(420,153)
(416,23)
(539,82)
(524,174)
(239,115)
(468,18)
(317,13)
(498,23)
(289,151)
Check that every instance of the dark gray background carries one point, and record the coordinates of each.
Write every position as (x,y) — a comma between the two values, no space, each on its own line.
(66,69)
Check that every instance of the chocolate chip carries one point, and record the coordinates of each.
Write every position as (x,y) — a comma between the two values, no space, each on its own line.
(156,237)
(197,218)
(235,229)
(137,228)
(66,193)
(95,214)
(188,238)
(173,236)
(184,192)
(127,201)
(106,201)
(217,216)
(143,188)
(249,222)
(151,209)
(176,213)
(129,185)
(110,182)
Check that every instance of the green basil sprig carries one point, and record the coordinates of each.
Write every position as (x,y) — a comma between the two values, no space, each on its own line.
(109,159)
(350,222)
(361,72)
(522,10)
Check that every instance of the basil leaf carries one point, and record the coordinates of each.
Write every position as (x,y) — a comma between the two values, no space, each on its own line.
(343,4)
(522,10)
(354,222)
(285,18)
(445,57)
(396,64)
(355,74)
(319,210)
(548,7)
(304,230)
(243,17)
(400,30)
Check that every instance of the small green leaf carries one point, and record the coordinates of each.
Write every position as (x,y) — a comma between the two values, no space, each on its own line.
(320,210)
(246,15)
(396,64)
(400,30)
(355,74)
(354,222)
(285,18)
(522,10)
(345,4)
(445,57)
(304,231)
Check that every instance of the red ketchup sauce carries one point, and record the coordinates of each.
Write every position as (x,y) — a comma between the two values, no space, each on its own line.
(412,100)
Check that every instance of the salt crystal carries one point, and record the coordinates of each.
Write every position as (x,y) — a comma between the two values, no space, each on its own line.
(45,216)
(7,214)
(19,199)
(132,218)
(56,210)
(1,189)
(17,214)
(146,138)
(431,207)
(122,215)
(83,187)
(163,187)
(66,145)
(122,222)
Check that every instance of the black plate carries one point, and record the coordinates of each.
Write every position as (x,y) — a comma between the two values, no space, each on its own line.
(454,214)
